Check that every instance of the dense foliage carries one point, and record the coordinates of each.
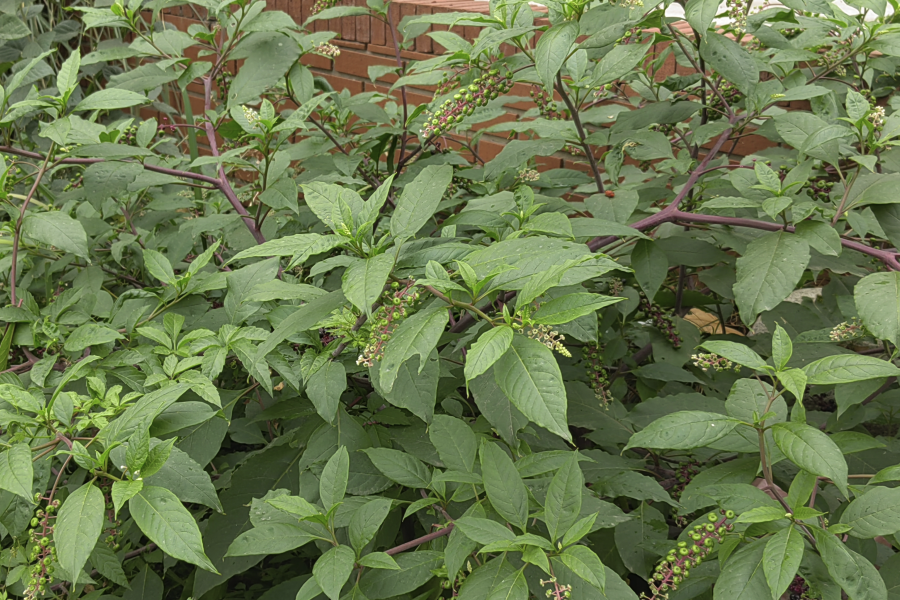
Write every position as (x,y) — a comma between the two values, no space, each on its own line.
(297,345)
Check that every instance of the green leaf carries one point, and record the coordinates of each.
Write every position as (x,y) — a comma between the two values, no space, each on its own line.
(736,353)
(303,318)
(271,56)
(364,280)
(743,577)
(565,309)
(108,565)
(768,272)
(12,28)
(515,153)
(162,518)
(847,368)
(781,559)
(111,99)
(57,229)
(483,531)
(416,335)
(854,573)
(580,529)
(183,476)
(529,376)
(333,481)
(367,520)
(821,236)
(514,587)
(415,571)
(563,504)
(294,505)
(299,247)
(878,303)
(325,387)
(400,467)
(333,569)
(730,60)
(650,266)
(78,528)
(683,431)
(159,266)
(700,13)
(552,49)
(504,486)
(419,200)
(91,334)
(16,471)
(812,451)
(487,350)
(67,77)
(379,560)
(877,512)
(618,62)
(585,563)
(455,442)
(123,491)
(782,348)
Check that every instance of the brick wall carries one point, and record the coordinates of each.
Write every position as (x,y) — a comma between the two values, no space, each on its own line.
(365,41)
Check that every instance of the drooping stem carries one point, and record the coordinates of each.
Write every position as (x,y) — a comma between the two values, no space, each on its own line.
(17,234)
(576,120)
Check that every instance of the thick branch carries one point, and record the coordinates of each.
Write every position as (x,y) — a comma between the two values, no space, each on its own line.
(421,540)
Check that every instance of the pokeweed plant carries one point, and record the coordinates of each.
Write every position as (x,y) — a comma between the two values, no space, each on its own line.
(305,343)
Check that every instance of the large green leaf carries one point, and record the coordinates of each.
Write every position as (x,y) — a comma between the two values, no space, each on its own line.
(812,451)
(650,266)
(683,430)
(768,271)
(530,377)
(781,559)
(878,303)
(743,576)
(419,200)
(563,504)
(78,528)
(415,570)
(455,442)
(847,368)
(487,350)
(56,229)
(854,573)
(333,569)
(552,49)
(367,520)
(416,335)
(504,486)
(333,480)
(877,512)
(163,519)
(270,57)
(16,471)
(730,60)
(364,280)
(401,467)
(325,387)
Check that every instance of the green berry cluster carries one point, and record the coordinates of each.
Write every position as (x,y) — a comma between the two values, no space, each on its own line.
(397,303)
(596,372)
(43,552)
(449,81)
(10,181)
(837,53)
(661,319)
(729,92)
(127,137)
(848,330)
(544,101)
(223,84)
(676,566)
(820,189)
(737,14)
(684,473)
(452,112)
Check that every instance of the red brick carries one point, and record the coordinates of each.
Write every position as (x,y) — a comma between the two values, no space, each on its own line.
(340,83)
(423,42)
(357,63)
(316,61)
(348,44)
(362,24)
